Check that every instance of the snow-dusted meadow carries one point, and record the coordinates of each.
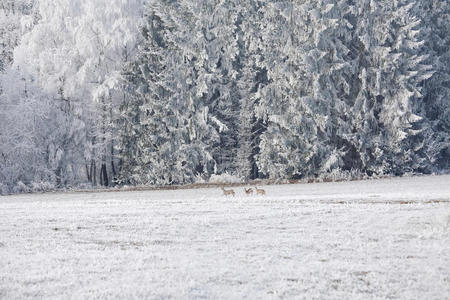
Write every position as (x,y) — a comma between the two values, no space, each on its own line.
(388,238)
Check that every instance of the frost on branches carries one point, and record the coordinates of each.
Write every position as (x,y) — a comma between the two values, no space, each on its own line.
(173,92)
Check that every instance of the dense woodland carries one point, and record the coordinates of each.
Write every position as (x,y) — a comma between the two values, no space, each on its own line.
(162,92)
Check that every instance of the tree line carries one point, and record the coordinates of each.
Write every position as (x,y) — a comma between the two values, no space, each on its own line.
(173,92)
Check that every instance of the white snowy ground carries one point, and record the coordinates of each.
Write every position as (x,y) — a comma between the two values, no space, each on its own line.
(358,240)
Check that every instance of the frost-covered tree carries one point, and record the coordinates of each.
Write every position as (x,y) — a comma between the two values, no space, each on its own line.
(76,53)
(29,129)
(215,46)
(250,80)
(24,110)
(391,69)
(304,103)
(144,113)
(280,154)
(49,56)
(330,64)
(188,100)
(166,121)
(435,106)
(106,41)
(16,18)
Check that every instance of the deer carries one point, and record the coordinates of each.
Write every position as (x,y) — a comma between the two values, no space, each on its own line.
(227,192)
(260,191)
(248,191)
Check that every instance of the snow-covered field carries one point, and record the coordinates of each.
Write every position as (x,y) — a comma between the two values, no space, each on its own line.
(388,238)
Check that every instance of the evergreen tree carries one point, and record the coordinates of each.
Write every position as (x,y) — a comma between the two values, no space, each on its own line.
(303,104)
(391,71)
(216,69)
(170,117)
(251,79)
(435,107)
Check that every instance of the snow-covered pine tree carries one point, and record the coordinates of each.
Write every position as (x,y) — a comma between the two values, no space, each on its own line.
(283,150)
(143,115)
(304,103)
(366,131)
(330,64)
(169,119)
(216,49)
(391,70)
(251,78)
(128,123)
(435,107)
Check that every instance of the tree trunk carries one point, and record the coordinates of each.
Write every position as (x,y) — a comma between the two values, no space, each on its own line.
(103,175)
(88,174)
(113,167)
(93,173)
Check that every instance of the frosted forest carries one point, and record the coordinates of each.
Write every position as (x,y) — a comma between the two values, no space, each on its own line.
(164,92)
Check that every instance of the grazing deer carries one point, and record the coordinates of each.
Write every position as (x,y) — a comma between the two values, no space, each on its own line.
(227,192)
(260,191)
(248,191)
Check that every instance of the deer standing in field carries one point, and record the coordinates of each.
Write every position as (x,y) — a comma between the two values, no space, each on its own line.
(227,192)
(248,191)
(260,191)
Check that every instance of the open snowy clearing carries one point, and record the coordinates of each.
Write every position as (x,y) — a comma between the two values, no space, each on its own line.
(388,238)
